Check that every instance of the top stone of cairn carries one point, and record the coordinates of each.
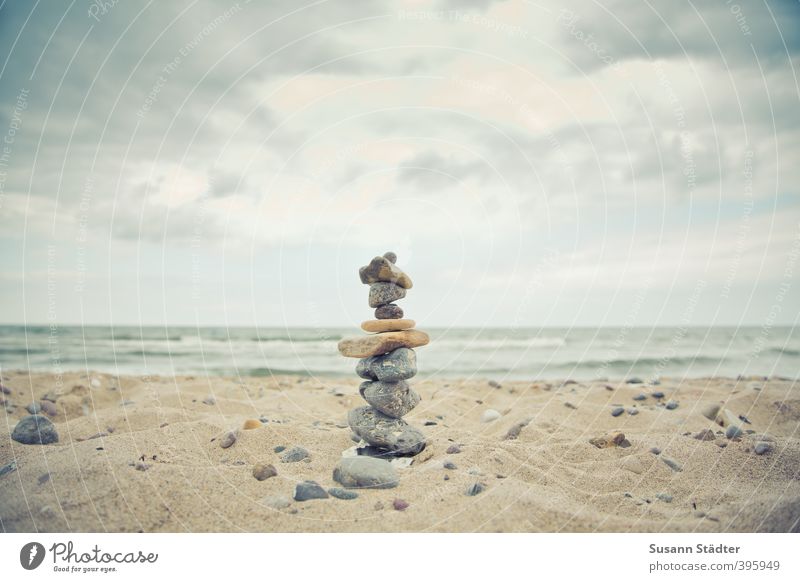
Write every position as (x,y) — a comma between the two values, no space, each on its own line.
(383,270)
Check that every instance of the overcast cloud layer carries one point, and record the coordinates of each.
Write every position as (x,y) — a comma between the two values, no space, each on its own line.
(532,163)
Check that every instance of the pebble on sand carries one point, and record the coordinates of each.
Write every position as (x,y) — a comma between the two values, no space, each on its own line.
(705,435)
(49,408)
(614,439)
(671,405)
(251,423)
(400,504)
(490,415)
(35,430)
(640,397)
(263,471)
(617,411)
(450,465)
(672,464)
(475,489)
(365,472)
(294,455)
(733,432)
(655,450)
(634,380)
(665,497)
(763,448)
(228,439)
(453,450)
(34,408)
(276,501)
(307,490)
(340,493)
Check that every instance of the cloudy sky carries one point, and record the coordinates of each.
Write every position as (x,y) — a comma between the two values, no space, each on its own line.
(532,163)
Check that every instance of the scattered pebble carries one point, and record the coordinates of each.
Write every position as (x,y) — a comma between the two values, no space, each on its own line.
(570,405)
(722,444)
(400,504)
(515,430)
(35,430)
(340,493)
(43,478)
(658,394)
(5,390)
(614,439)
(617,411)
(307,490)
(763,448)
(665,497)
(34,408)
(671,405)
(365,472)
(48,408)
(276,501)
(705,435)
(453,450)
(8,468)
(279,449)
(672,464)
(655,451)
(141,466)
(699,514)
(251,423)
(210,400)
(494,384)
(634,380)
(733,432)
(449,465)
(263,471)
(633,411)
(640,397)
(475,489)
(228,439)
(294,455)
(490,415)
(430,423)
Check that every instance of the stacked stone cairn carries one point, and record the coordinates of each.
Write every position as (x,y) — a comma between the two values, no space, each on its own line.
(387,361)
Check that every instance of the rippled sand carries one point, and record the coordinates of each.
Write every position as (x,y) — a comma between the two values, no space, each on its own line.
(548,478)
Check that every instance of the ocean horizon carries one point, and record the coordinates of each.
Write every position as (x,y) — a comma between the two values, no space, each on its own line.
(580,353)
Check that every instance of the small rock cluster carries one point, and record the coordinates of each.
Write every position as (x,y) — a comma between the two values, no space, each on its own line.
(387,361)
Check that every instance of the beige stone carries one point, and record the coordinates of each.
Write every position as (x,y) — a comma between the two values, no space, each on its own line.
(380,325)
(382,343)
(381,269)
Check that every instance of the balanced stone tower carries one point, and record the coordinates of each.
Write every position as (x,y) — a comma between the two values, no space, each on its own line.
(387,362)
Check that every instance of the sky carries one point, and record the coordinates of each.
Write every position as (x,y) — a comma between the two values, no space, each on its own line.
(532,164)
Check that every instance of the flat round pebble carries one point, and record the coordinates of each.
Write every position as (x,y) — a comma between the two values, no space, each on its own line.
(763,448)
(251,423)
(228,439)
(279,449)
(449,465)
(658,394)
(639,397)
(490,415)
(655,451)
(617,411)
(34,408)
(733,432)
(294,455)
(453,450)
(365,472)
(400,504)
(671,405)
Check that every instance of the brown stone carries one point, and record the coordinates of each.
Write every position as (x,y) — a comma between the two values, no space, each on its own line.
(379,325)
(382,343)
(383,270)
(251,423)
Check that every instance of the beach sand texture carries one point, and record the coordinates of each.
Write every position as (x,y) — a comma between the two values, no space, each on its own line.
(144,454)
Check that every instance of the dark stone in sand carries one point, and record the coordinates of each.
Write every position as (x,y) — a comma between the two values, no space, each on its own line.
(705,435)
(390,311)
(279,449)
(475,489)
(384,293)
(763,448)
(49,408)
(340,493)
(639,397)
(453,450)
(309,490)
(617,411)
(672,464)
(35,430)
(399,364)
(733,432)
(262,471)
(365,473)
(34,408)
(671,405)
(385,432)
(634,380)
(658,394)
(400,504)
(395,399)
(8,468)
(449,465)
(665,497)
(494,384)
(294,455)
(228,439)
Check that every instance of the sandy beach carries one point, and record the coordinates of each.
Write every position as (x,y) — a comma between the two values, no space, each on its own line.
(143,454)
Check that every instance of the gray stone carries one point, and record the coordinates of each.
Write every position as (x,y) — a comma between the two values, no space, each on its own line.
(672,464)
(35,430)
(340,493)
(453,450)
(639,397)
(306,490)
(399,364)
(228,439)
(658,395)
(400,504)
(279,449)
(634,380)
(384,293)
(49,408)
(276,501)
(733,432)
(475,489)
(763,448)
(617,411)
(390,311)
(382,270)
(392,257)
(34,408)
(665,497)
(385,432)
(449,465)
(8,468)
(633,411)
(671,405)
(365,473)
(294,455)
(395,399)
(655,450)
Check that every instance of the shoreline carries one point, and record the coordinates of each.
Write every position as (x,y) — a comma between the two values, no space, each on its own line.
(143,454)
